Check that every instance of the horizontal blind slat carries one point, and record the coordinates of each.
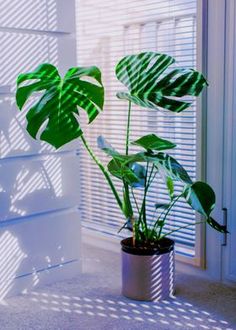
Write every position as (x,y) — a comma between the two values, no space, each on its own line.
(104,37)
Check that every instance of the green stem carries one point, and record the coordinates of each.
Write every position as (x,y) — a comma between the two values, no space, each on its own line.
(151,179)
(142,213)
(125,184)
(167,212)
(128,130)
(104,171)
(186,226)
(127,203)
(135,200)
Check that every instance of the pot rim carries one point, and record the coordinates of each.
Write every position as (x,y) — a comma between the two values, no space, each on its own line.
(166,245)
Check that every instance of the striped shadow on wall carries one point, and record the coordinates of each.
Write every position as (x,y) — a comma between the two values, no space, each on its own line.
(39,190)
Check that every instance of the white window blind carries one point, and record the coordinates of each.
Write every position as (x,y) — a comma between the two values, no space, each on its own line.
(106,31)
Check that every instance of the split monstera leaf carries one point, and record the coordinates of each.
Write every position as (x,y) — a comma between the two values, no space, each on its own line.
(153,82)
(151,87)
(56,112)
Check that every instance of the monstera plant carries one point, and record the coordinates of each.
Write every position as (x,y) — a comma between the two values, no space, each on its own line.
(152,81)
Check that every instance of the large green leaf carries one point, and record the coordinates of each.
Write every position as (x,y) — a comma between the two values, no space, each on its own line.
(169,166)
(151,87)
(201,197)
(55,114)
(153,142)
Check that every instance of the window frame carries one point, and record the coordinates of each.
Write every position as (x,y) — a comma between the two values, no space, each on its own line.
(201,23)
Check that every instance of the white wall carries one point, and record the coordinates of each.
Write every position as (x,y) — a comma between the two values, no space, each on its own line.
(39,188)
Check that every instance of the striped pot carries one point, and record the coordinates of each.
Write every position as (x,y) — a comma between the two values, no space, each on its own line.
(148,274)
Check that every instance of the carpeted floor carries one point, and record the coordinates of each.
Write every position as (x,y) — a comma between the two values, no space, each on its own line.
(93,301)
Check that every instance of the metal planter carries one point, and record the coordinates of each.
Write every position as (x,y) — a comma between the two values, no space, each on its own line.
(148,275)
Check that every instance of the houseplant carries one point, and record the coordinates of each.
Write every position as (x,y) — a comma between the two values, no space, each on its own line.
(152,84)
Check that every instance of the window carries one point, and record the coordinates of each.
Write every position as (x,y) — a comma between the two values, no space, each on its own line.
(106,31)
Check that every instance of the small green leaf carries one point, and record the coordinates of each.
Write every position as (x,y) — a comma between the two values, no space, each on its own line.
(140,172)
(153,142)
(170,187)
(132,158)
(217,226)
(161,206)
(132,173)
(164,163)
(201,197)
(122,172)
(160,223)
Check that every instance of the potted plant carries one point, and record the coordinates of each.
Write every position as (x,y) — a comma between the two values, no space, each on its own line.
(147,256)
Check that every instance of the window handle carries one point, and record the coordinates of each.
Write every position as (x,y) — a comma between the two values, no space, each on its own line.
(225,220)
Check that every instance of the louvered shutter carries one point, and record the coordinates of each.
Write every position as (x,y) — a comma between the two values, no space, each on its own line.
(107,31)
